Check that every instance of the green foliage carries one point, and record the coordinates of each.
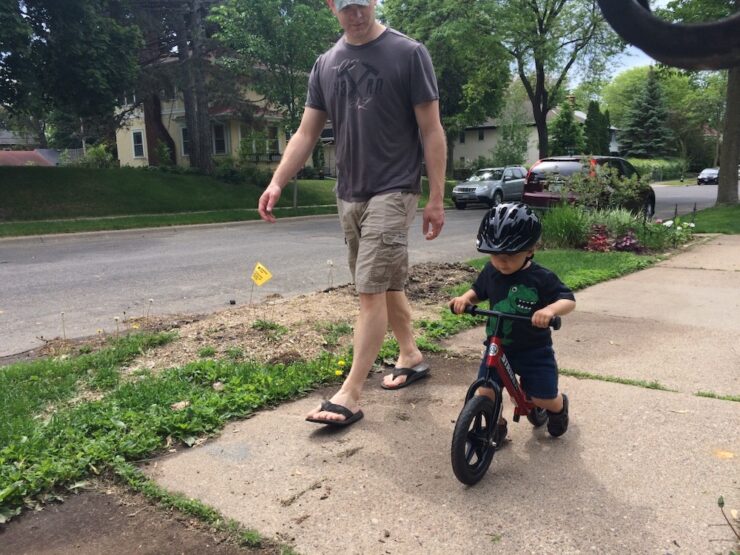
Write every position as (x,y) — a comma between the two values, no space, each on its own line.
(548,43)
(283,39)
(332,332)
(596,130)
(645,134)
(97,157)
(565,226)
(135,420)
(566,135)
(605,188)
(659,169)
(511,147)
(205,352)
(73,56)
(27,388)
(469,61)
(273,330)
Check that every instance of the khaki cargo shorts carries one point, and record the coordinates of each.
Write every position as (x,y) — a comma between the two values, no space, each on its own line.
(376,233)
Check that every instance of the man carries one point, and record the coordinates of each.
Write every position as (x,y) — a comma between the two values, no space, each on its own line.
(379,89)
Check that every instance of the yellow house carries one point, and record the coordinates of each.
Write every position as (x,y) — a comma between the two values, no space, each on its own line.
(227,133)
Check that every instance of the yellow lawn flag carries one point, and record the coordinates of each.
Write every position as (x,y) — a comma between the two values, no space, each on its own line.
(261,274)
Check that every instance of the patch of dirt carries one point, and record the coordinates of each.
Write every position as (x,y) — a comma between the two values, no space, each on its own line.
(298,328)
(108,519)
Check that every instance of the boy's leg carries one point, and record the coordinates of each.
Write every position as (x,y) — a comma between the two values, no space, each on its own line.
(539,373)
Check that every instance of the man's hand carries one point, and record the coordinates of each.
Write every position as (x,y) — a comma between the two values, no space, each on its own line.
(434,219)
(267,202)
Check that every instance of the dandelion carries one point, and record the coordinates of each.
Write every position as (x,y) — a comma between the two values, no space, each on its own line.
(341,363)
(338,372)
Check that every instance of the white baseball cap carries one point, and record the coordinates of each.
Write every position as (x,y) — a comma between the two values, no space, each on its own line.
(341,4)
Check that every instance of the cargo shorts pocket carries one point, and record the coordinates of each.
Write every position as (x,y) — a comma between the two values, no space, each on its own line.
(391,260)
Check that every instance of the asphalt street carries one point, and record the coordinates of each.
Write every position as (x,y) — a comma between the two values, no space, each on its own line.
(93,278)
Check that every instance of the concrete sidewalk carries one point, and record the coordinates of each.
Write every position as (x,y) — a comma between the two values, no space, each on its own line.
(639,471)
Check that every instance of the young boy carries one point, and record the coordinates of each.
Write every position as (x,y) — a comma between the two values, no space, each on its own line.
(514,284)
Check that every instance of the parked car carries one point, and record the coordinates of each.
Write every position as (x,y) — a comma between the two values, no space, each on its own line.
(490,186)
(708,176)
(546,178)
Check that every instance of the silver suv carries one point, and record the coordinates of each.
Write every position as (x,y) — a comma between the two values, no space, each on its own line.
(490,186)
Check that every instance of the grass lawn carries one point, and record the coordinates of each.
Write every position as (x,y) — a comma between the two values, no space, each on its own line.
(719,219)
(37,200)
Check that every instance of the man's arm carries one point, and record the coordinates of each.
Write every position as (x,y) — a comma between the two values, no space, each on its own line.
(435,157)
(296,153)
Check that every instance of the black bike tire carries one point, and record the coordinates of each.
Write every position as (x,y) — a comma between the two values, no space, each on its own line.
(537,417)
(465,472)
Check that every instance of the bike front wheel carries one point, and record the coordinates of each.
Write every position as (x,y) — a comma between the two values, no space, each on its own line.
(474,440)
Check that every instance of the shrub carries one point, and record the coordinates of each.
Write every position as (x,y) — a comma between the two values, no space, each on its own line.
(660,169)
(565,226)
(96,157)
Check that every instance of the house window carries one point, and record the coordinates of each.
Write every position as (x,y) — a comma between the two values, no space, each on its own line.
(273,144)
(138,138)
(219,138)
(462,138)
(185,142)
(481,134)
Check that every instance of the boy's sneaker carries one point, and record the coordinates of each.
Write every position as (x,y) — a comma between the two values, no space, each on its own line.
(557,422)
(501,430)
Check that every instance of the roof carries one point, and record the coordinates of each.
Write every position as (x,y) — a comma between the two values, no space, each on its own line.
(23,158)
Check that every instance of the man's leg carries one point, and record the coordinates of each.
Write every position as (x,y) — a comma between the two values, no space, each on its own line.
(399,316)
(370,328)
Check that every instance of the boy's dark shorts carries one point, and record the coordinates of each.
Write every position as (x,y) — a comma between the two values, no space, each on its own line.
(537,368)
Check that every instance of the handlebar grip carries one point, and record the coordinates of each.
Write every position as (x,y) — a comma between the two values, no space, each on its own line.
(556,322)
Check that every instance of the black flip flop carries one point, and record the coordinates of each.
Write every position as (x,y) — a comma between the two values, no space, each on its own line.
(412,374)
(349,416)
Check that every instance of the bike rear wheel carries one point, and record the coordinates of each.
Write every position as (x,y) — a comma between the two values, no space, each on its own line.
(474,440)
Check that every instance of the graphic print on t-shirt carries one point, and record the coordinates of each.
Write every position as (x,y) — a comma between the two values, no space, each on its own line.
(358,81)
(520,300)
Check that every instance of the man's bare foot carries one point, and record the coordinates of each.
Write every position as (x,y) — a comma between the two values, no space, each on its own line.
(341,398)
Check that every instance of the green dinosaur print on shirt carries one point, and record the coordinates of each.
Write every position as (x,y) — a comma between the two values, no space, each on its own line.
(520,300)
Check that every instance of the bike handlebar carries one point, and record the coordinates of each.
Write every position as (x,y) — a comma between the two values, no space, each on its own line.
(555,323)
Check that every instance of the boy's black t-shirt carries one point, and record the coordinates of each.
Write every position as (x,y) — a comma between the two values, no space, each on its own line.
(522,293)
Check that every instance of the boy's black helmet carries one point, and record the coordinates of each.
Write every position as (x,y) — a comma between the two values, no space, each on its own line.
(508,228)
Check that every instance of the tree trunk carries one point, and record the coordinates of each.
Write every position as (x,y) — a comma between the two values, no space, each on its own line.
(540,120)
(730,152)
(156,132)
(196,103)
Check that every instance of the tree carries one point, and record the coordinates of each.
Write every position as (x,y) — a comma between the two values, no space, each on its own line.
(512,144)
(547,39)
(567,135)
(645,134)
(275,43)
(73,56)
(709,10)
(596,130)
(469,61)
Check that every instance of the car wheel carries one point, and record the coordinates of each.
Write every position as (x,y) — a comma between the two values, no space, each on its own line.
(498,198)
(460,205)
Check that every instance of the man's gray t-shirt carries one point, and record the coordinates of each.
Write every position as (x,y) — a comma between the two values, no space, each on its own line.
(369,93)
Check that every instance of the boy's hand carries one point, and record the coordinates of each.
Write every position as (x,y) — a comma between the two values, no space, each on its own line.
(458,304)
(543,317)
